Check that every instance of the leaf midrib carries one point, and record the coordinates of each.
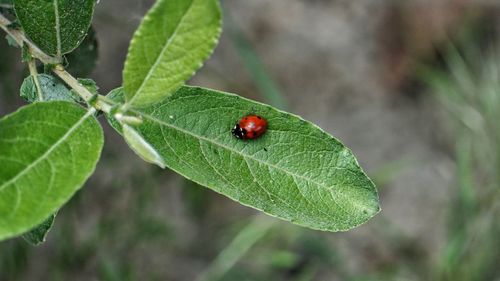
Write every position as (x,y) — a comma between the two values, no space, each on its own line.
(158,58)
(330,189)
(49,151)
(58,28)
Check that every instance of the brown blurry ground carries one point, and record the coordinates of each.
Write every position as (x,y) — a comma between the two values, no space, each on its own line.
(347,66)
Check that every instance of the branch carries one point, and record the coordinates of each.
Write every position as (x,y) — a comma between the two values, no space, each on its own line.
(96,101)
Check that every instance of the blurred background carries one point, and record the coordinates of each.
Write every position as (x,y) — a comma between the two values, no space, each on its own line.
(412,87)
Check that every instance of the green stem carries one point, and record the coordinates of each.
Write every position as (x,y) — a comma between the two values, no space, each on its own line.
(34,74)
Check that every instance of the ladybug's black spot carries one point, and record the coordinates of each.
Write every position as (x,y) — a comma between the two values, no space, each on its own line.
(254,134)
(259,117)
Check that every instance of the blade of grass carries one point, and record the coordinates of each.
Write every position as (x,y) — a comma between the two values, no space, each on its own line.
(237,248)
(252,62)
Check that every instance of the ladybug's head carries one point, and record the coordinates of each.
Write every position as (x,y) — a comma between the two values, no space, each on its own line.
(238,132)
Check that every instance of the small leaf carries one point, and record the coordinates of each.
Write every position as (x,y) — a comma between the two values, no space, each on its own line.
(89,84)
(117,97)
(28,90)
(37,235)
(52,89)
(11,41)
(82,61)
(47,152)
(56,26)
(141,147)
(295,171)
(172,42)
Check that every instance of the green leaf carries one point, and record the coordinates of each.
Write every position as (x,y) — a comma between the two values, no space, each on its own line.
(295,171)
(172,42)
(52,89)
(11,41)
(141,147)
(28,89)
(47,152)
(89,84)
(56,26)
(37,235)
(133,138)
(83,59)
(116,97)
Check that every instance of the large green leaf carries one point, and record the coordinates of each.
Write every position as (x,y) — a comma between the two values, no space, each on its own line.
(295,171)
(47,151)
(172,42)
(56,26)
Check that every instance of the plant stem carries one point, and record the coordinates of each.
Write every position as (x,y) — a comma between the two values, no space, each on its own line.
(20,38)
(80,89)
(34,74)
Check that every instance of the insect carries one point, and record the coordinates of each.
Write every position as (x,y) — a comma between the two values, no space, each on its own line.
(250,127)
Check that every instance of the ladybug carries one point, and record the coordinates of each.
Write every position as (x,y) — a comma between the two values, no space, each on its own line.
(250,127)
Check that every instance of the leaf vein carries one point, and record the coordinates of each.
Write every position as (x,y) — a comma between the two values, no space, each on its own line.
(49,151)
(216,171)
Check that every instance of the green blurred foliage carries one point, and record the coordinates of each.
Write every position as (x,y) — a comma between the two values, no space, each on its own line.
(468,88)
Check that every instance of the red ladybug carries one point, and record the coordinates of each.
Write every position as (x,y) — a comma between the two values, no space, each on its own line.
(250,127)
